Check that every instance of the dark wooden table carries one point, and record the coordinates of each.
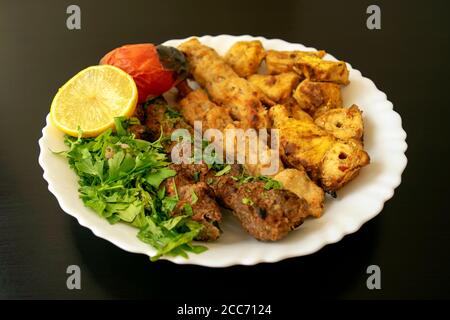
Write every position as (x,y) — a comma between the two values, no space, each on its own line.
(407,59)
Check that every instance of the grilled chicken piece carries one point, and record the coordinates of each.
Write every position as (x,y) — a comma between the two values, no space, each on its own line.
(343,123)
(198,195)
(276,87)
(316,69)
(267,215)
(294,109)
(196,106)
(224,86)
(329,161)
(317,97)
(256,155)
(245,57)
(283,61)
(298,182)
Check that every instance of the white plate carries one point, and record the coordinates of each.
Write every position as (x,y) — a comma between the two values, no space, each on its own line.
(357,202)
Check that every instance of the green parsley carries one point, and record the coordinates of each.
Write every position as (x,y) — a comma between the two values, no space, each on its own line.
(194,198)
(226,169)
(196,176)
(120,178)
(188,209)
(172,114)
(247,201)
(269,183)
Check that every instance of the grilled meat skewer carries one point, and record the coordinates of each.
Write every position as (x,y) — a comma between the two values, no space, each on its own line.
(267,215)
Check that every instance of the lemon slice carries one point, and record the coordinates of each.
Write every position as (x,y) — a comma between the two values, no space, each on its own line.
(92,98)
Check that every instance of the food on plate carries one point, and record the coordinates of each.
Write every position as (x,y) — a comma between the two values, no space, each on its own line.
(317,69)
(329,161)
(316,97)
(298,182)
(90,100)
(294,109)
(119,128)
(245,57)
(276,87)
(224,86)
(343,123)
(267,212)
(236,177)
(283,61)
(155,69)
(196,106)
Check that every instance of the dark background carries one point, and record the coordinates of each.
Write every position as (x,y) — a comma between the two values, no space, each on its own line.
(407,59)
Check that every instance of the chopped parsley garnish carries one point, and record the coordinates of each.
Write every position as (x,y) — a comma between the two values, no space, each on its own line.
(121,178)
(268,185)
(196,176)
(188,209)
(172,114)
(225,169)
(194,198)
(247,201)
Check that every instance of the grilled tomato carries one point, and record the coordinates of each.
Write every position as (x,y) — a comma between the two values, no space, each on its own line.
(155,69)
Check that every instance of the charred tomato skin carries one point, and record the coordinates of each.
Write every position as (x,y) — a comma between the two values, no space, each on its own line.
(143,63)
